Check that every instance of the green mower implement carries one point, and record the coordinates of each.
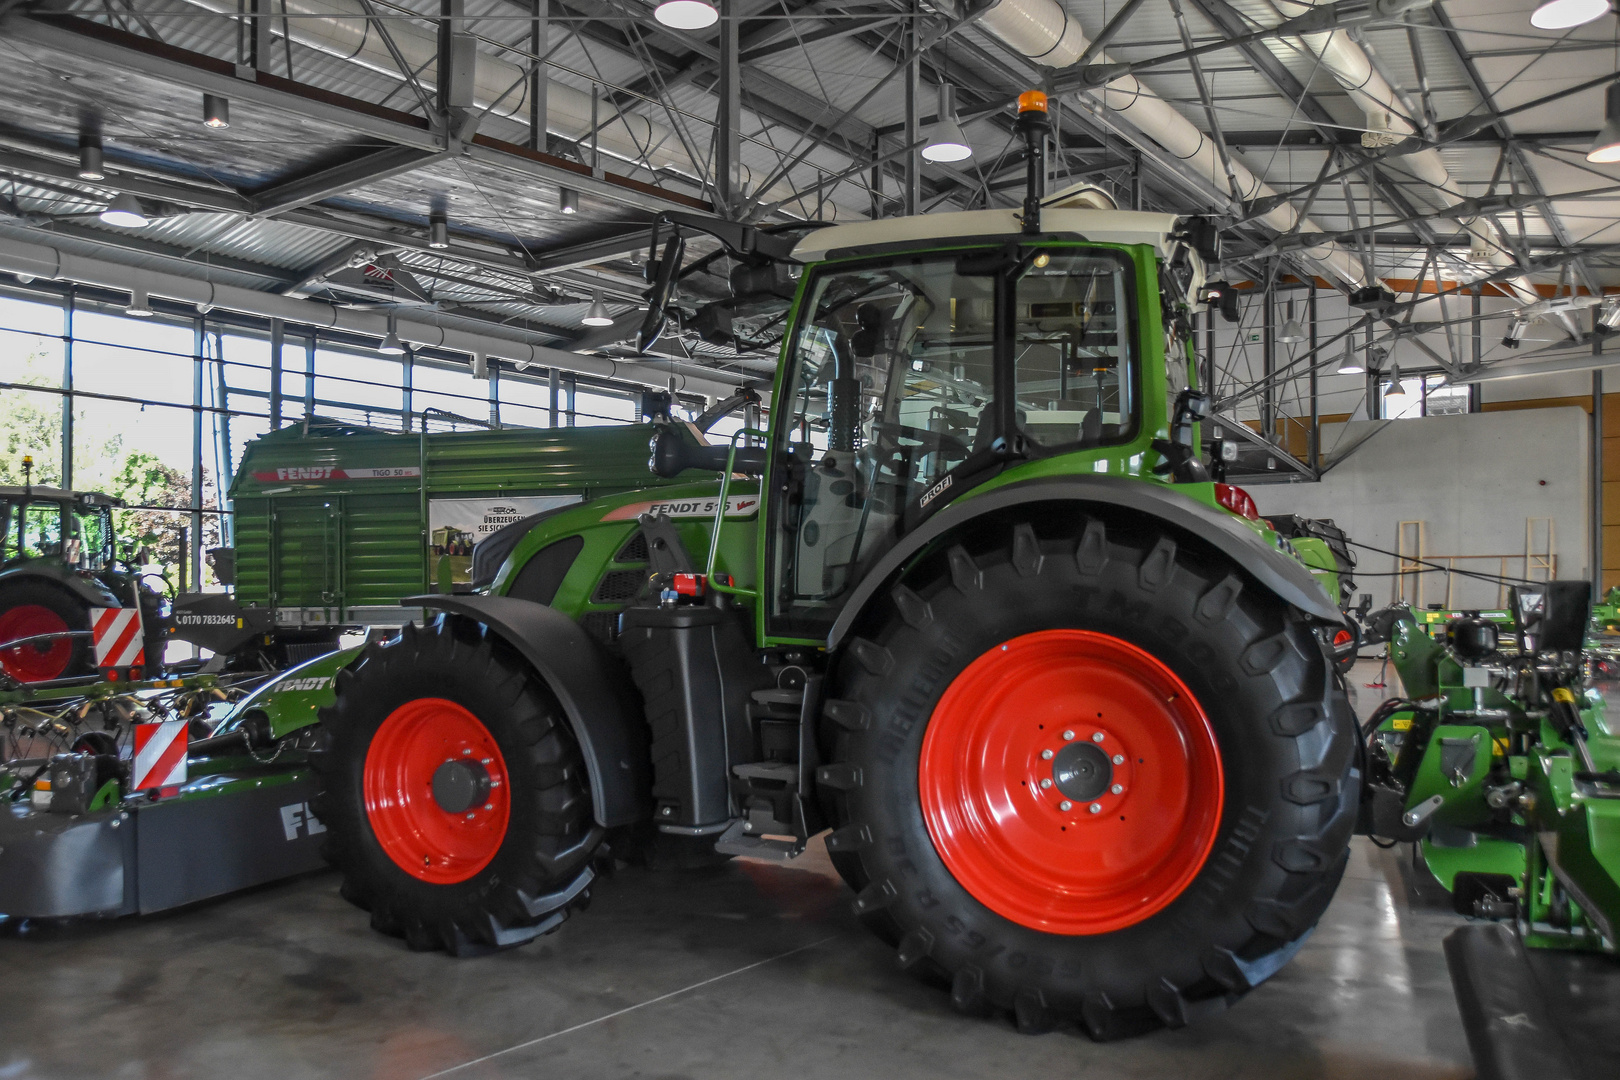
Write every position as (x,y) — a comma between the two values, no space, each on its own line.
(971,602)
(1501,764)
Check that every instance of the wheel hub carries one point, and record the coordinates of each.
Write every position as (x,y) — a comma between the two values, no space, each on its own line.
(1082,771)
(460,784)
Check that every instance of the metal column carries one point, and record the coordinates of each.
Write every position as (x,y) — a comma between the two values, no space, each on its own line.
(68,304)
(1596,497)
(539,43)
(913,176)
(727,135)
(1268,363)
(554,381)
(199,336)
(406,405)
(278,337)
(1314,452)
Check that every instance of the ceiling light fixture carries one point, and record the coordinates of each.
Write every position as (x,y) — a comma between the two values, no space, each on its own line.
(568,200)
(1515,333)
(139,305)
(1606,147)
(438,231)
(1351,364)
(598,314)
(1291,333)
(125,210)
(1610,318)
(1563,14)
(216,111)
(945,139)
(1395,396)
(686,14)
(90,167)
(480,366)
(391,345)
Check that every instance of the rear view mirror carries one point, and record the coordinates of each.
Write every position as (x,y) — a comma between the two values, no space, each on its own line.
(663,273)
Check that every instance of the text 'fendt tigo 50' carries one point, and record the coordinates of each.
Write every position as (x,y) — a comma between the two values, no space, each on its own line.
(971,602)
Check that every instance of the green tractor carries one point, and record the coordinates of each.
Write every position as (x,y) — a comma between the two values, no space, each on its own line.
(1068,708)
(57,562)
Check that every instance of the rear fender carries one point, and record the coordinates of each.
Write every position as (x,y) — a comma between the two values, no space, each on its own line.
(87,590)
(1272,568)
(595,693)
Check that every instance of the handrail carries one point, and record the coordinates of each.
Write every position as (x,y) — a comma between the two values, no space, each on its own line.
(720,515)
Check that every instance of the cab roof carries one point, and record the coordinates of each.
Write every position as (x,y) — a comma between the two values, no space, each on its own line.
(50,494)
(1099,225)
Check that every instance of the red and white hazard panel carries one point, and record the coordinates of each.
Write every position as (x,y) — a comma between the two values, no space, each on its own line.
(118,637)
(160,755)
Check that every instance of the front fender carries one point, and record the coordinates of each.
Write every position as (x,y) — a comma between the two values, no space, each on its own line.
(1276,571)
(595,693)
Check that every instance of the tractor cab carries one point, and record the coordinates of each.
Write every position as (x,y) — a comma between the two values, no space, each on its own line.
(75,528)
(931,355)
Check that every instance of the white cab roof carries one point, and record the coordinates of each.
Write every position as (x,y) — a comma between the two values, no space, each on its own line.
(1102,226)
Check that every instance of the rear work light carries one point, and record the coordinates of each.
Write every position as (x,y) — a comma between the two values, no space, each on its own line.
(1237,500)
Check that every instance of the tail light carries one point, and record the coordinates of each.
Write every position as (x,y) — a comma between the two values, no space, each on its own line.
(1237,500)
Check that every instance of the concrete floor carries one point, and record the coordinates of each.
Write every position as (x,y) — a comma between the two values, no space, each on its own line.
(748,971)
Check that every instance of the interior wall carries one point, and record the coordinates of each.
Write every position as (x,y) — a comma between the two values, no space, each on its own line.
(1471,480)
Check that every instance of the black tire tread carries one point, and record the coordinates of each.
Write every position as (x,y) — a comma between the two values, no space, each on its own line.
(1313,723)
(453,657)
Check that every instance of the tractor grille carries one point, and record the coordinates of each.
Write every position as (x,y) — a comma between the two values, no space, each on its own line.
(618,586)
(602,625)
(634,550)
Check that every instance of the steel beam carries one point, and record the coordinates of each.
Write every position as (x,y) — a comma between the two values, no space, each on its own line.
(356,173)
(181,67)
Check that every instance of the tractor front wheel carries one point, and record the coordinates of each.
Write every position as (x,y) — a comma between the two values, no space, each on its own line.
(1089,773)
(453,793)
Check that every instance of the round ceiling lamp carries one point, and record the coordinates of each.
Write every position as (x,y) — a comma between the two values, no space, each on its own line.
(598,313)
(686,14)
(125,211)
(945,139)
(1563,14)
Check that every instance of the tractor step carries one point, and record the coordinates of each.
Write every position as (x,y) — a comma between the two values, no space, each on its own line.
(786,772)
(737,840)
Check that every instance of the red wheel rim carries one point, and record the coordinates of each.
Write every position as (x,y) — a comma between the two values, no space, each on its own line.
(425,839)
(33,663)
(1094,716)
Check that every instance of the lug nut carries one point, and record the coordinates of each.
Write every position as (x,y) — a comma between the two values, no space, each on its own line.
(1096,808)
(469,817)
(1046,783)
(1065,805)
(1046,755)
(1096,736)
(1067,735)
(1117,789)
(486,761)
(491,806)
(1119,759)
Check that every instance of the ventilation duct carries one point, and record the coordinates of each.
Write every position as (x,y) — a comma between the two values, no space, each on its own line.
(1044,32)
(1387,115)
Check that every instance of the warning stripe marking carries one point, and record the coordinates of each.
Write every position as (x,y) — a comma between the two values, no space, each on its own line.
(160,754)
(117,638)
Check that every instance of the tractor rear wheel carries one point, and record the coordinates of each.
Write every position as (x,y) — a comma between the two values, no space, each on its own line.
(30,609)
(454,796)
(1089,773)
